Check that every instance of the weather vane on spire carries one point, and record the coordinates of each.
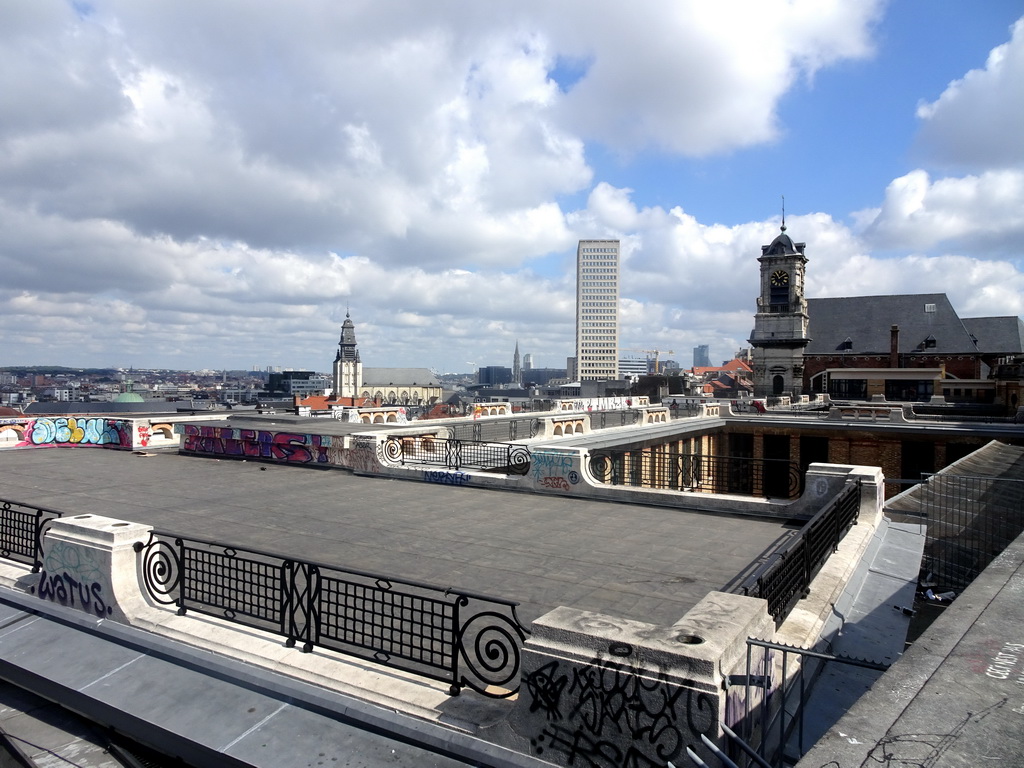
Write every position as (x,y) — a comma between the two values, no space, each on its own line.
(783,213)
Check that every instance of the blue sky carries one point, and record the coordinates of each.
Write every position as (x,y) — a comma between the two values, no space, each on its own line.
(196,185)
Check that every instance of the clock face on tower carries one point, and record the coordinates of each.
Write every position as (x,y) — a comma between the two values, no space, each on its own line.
(780,278)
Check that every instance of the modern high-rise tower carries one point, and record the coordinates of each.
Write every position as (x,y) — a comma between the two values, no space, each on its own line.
(597,310)
(702,356)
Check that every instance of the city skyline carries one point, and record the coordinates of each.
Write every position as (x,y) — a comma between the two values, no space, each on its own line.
(210,187)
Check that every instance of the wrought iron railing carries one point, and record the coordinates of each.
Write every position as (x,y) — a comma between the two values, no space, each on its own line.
(459,637)
(787,575)
(668,470)
(767,705)
(455,454)
(21,532)
(616,418)
(515,428)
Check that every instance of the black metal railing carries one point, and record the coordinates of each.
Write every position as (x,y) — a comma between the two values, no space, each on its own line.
(21,532)
(767,705)
(787,575)
(668,470)
(615,418)
(459,637)
(455,454)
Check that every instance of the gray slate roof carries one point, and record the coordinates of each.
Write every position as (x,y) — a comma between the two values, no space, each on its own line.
(866,321)
(399,377)
(997,335)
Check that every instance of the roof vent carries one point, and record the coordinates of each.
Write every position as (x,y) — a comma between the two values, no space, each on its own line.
(929,308)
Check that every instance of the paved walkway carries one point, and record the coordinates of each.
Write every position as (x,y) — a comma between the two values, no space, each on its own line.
(644,563)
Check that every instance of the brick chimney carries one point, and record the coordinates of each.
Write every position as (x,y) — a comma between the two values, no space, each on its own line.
(894,347)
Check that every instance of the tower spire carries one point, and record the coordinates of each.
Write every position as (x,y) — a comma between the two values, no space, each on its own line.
(783,213)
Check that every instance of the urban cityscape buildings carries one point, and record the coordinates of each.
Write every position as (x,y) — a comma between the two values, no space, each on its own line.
(597,310)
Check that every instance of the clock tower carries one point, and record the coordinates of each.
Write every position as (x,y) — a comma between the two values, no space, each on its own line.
(780,325)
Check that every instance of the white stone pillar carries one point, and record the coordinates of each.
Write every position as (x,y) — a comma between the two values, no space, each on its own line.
(89,564)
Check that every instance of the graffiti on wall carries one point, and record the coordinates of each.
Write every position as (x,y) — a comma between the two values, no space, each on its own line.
(442,477)
(362,457)
(553,470)
(290,447)
(614,712)
(72,430)
(73,578)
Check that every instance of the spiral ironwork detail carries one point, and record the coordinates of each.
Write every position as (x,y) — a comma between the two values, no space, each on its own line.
(161,571)
(490,646)
(601,467)
(518,460)
(391,450)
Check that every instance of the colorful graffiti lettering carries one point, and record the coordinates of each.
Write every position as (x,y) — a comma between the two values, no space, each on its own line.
(78,431)
(287,447)
(558,483)
(446,478)
(144,436)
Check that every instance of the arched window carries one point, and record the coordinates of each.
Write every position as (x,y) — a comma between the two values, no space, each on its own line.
(777,384)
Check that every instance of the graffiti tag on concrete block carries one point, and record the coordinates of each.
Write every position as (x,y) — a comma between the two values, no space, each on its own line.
(612,713)
(445,478)
(72,578)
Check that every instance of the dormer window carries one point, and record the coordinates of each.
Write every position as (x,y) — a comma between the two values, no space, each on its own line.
(846,345)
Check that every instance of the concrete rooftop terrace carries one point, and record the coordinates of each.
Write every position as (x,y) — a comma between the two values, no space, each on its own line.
(648,564)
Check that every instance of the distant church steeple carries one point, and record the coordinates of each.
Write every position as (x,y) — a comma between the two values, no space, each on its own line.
(348,369)
(517,369)
(347,345)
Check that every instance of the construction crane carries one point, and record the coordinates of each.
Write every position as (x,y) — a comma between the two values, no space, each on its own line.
(656,352)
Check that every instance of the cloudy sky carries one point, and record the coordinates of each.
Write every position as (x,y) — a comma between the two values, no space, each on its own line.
(195,184)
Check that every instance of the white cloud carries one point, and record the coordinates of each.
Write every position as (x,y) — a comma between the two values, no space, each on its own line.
(211,184)
(978,121)
(699,78)
(978,215)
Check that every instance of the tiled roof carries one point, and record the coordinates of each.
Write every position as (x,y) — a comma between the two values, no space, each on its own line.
(866,320)
(398,377)
(997,335)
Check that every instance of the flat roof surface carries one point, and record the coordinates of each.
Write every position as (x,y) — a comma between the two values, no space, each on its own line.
(644,563)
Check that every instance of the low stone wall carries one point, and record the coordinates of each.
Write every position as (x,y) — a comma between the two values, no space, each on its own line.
(130,434)
(600,690)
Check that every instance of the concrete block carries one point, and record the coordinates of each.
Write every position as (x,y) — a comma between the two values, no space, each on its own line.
(605,689)
(89,564)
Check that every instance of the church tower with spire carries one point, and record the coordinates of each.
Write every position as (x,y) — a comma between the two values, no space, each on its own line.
(780,325)
(517,368)
(348,370)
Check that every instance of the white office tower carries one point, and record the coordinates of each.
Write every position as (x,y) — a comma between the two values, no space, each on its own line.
(597,310)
